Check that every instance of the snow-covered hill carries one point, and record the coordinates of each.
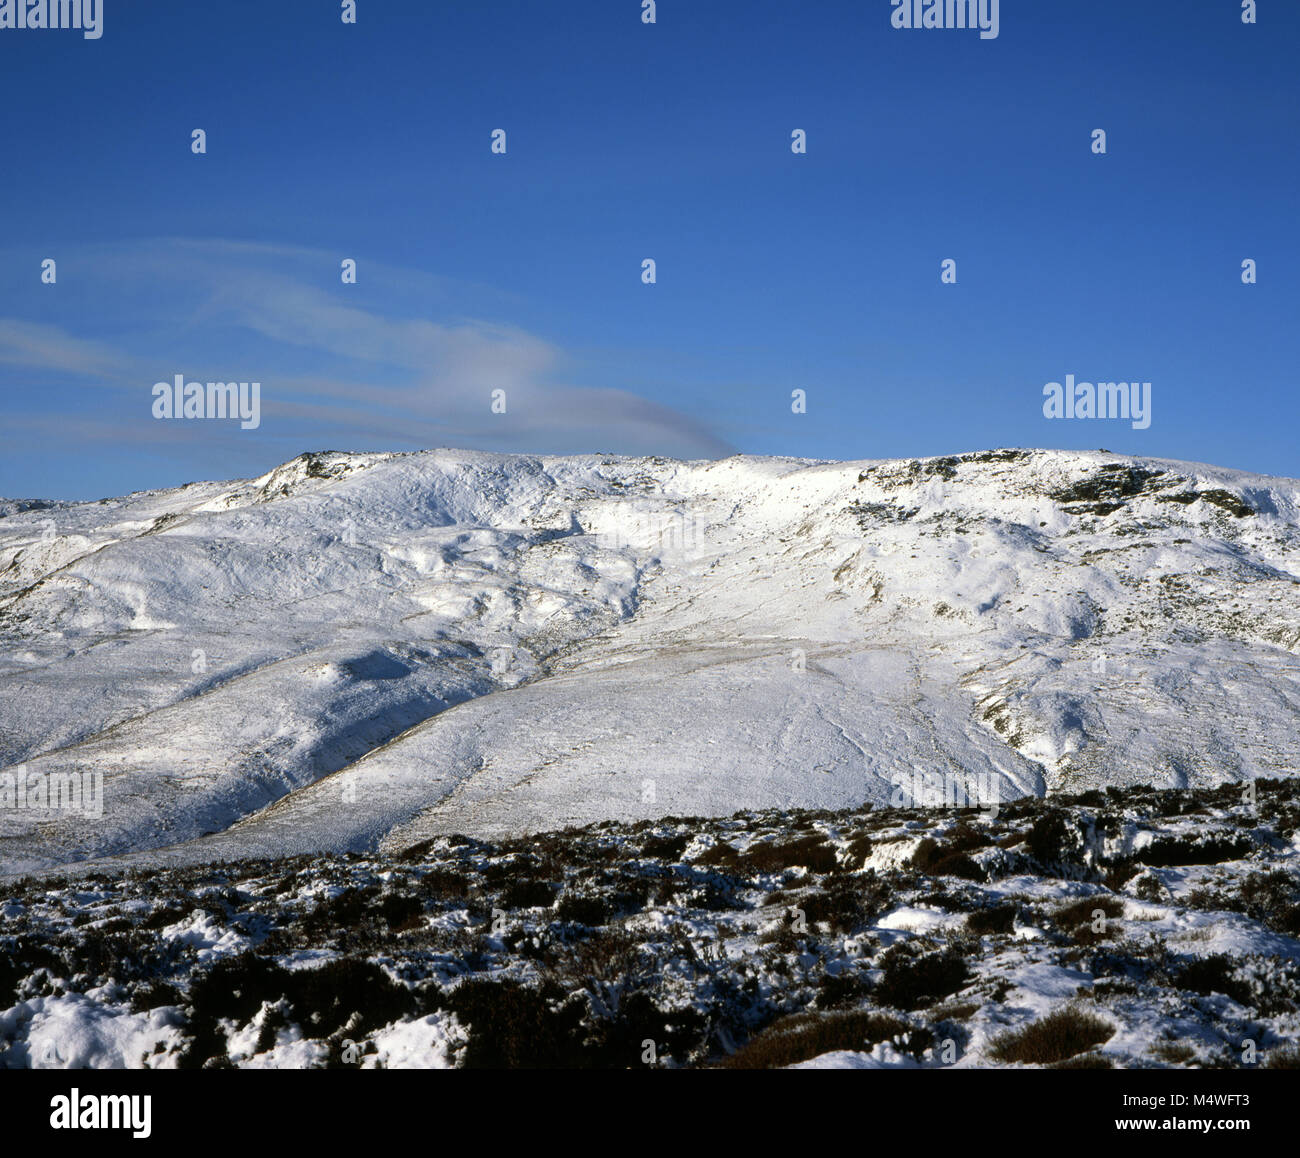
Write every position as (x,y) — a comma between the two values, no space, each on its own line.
(359,652)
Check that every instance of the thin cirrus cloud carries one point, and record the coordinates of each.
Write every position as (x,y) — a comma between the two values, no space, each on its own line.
(49,347)
(331,371)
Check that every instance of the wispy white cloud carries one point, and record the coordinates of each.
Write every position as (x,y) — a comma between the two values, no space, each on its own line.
(332,369)
(46,347)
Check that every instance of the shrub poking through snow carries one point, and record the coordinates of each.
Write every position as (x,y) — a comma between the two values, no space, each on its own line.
(1062,1034)
(773,856)
(1085,1061)
(1091,919)
(913,981)
(804,1036)
(1053,842)
(943,860)
(584,909)
(1274,899)
(1216,973)
(1213,848)
(995,921)
(848,903)
(1283,1058)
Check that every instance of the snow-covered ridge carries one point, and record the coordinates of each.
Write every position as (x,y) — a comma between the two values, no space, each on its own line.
(358,651)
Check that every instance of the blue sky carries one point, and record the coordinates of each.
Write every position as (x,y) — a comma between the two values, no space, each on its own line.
(628,141)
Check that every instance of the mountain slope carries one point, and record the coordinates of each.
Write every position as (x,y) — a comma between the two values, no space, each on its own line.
(358,651)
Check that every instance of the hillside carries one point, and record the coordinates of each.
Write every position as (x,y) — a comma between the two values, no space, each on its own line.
(360,652)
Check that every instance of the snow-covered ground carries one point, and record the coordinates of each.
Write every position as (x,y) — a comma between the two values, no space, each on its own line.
(1132,928)
(359,652)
